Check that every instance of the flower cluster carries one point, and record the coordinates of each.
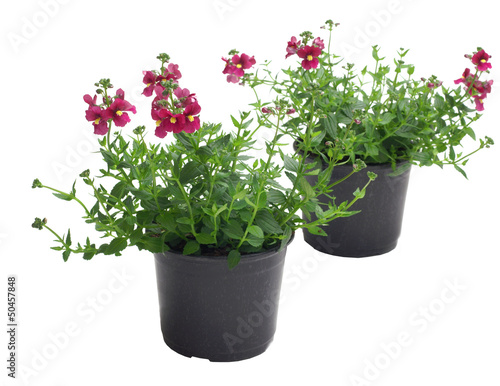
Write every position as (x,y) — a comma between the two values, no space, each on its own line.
(112,109)
(236,65)
(174,109)
(309,53)
(479,90)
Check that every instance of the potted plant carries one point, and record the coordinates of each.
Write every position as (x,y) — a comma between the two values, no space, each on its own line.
(215,217)
(381,116)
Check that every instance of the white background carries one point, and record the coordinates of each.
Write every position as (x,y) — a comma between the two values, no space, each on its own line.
(337,314)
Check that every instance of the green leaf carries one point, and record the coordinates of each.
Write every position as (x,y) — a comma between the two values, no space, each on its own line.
(205,238)
(119,190)
(386,118)
(167,221)
(330,123)
(65,197)
(359,193)
(190,171)
(68,238)
(266,221)
(233,230)
(276,197)
(315,230)
(191,247)
(461,171)
(66,255)
(290,163)
(233,258)
(88,255)
(185,220)
(256,231)
(306,188)
(116,246)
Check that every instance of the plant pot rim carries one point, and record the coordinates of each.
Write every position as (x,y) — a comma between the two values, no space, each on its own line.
(245,258)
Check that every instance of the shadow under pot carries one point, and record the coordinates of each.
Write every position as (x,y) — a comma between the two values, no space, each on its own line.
(376,229)
(209,311)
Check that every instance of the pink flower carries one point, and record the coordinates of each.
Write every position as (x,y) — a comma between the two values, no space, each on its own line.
(318,42)
(465,75)
(236,66)
(480,59)
(310,55)
(118,109)
(243,62)
(97,115)
(192,122)
(184,96)
(291,111)
(293,47)
(478,99)
(172,72)
(99,118)
(266,110)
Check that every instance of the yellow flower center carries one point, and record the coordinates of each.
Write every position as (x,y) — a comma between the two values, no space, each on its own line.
(480,101)
(158,122)
(309,57)
(97,121)
(483,60)
(119,113)
(173,120)
(238,65)
(149,84)
(191,118)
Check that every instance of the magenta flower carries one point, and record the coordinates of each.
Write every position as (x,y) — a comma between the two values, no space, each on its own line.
(266,110)
(318,42)
(172,72)
(310,55)
(293,47)
(478,99)
(175,122)
(91,101)
(118,109)
(465,75)
(99,118)
(184,96)
(192,122)
(243,62)
(480,59)
(291,111)
(236,66)
(150,81)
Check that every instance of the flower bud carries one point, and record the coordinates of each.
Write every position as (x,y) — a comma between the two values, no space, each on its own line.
(85,173)
(39,223)
(36,183)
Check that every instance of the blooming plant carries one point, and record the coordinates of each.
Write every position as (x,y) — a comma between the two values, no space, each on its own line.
(381,115)
(202,193)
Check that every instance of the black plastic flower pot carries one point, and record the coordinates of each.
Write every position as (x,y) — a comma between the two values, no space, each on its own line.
(376,229)
(209,311)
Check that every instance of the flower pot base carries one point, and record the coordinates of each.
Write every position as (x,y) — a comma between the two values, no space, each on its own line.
(322,244)
(221,357)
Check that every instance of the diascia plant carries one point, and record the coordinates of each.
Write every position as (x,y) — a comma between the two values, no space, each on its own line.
(380,114)
(201,193)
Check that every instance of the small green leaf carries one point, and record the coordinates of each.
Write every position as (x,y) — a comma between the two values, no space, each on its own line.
(66,255)
(359,193)
(68,238)
(233,258)
(116,246)
(65,197)
(256,231)
(290,163)
(191,247)
(205,238)
(315,230)
(461,171)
